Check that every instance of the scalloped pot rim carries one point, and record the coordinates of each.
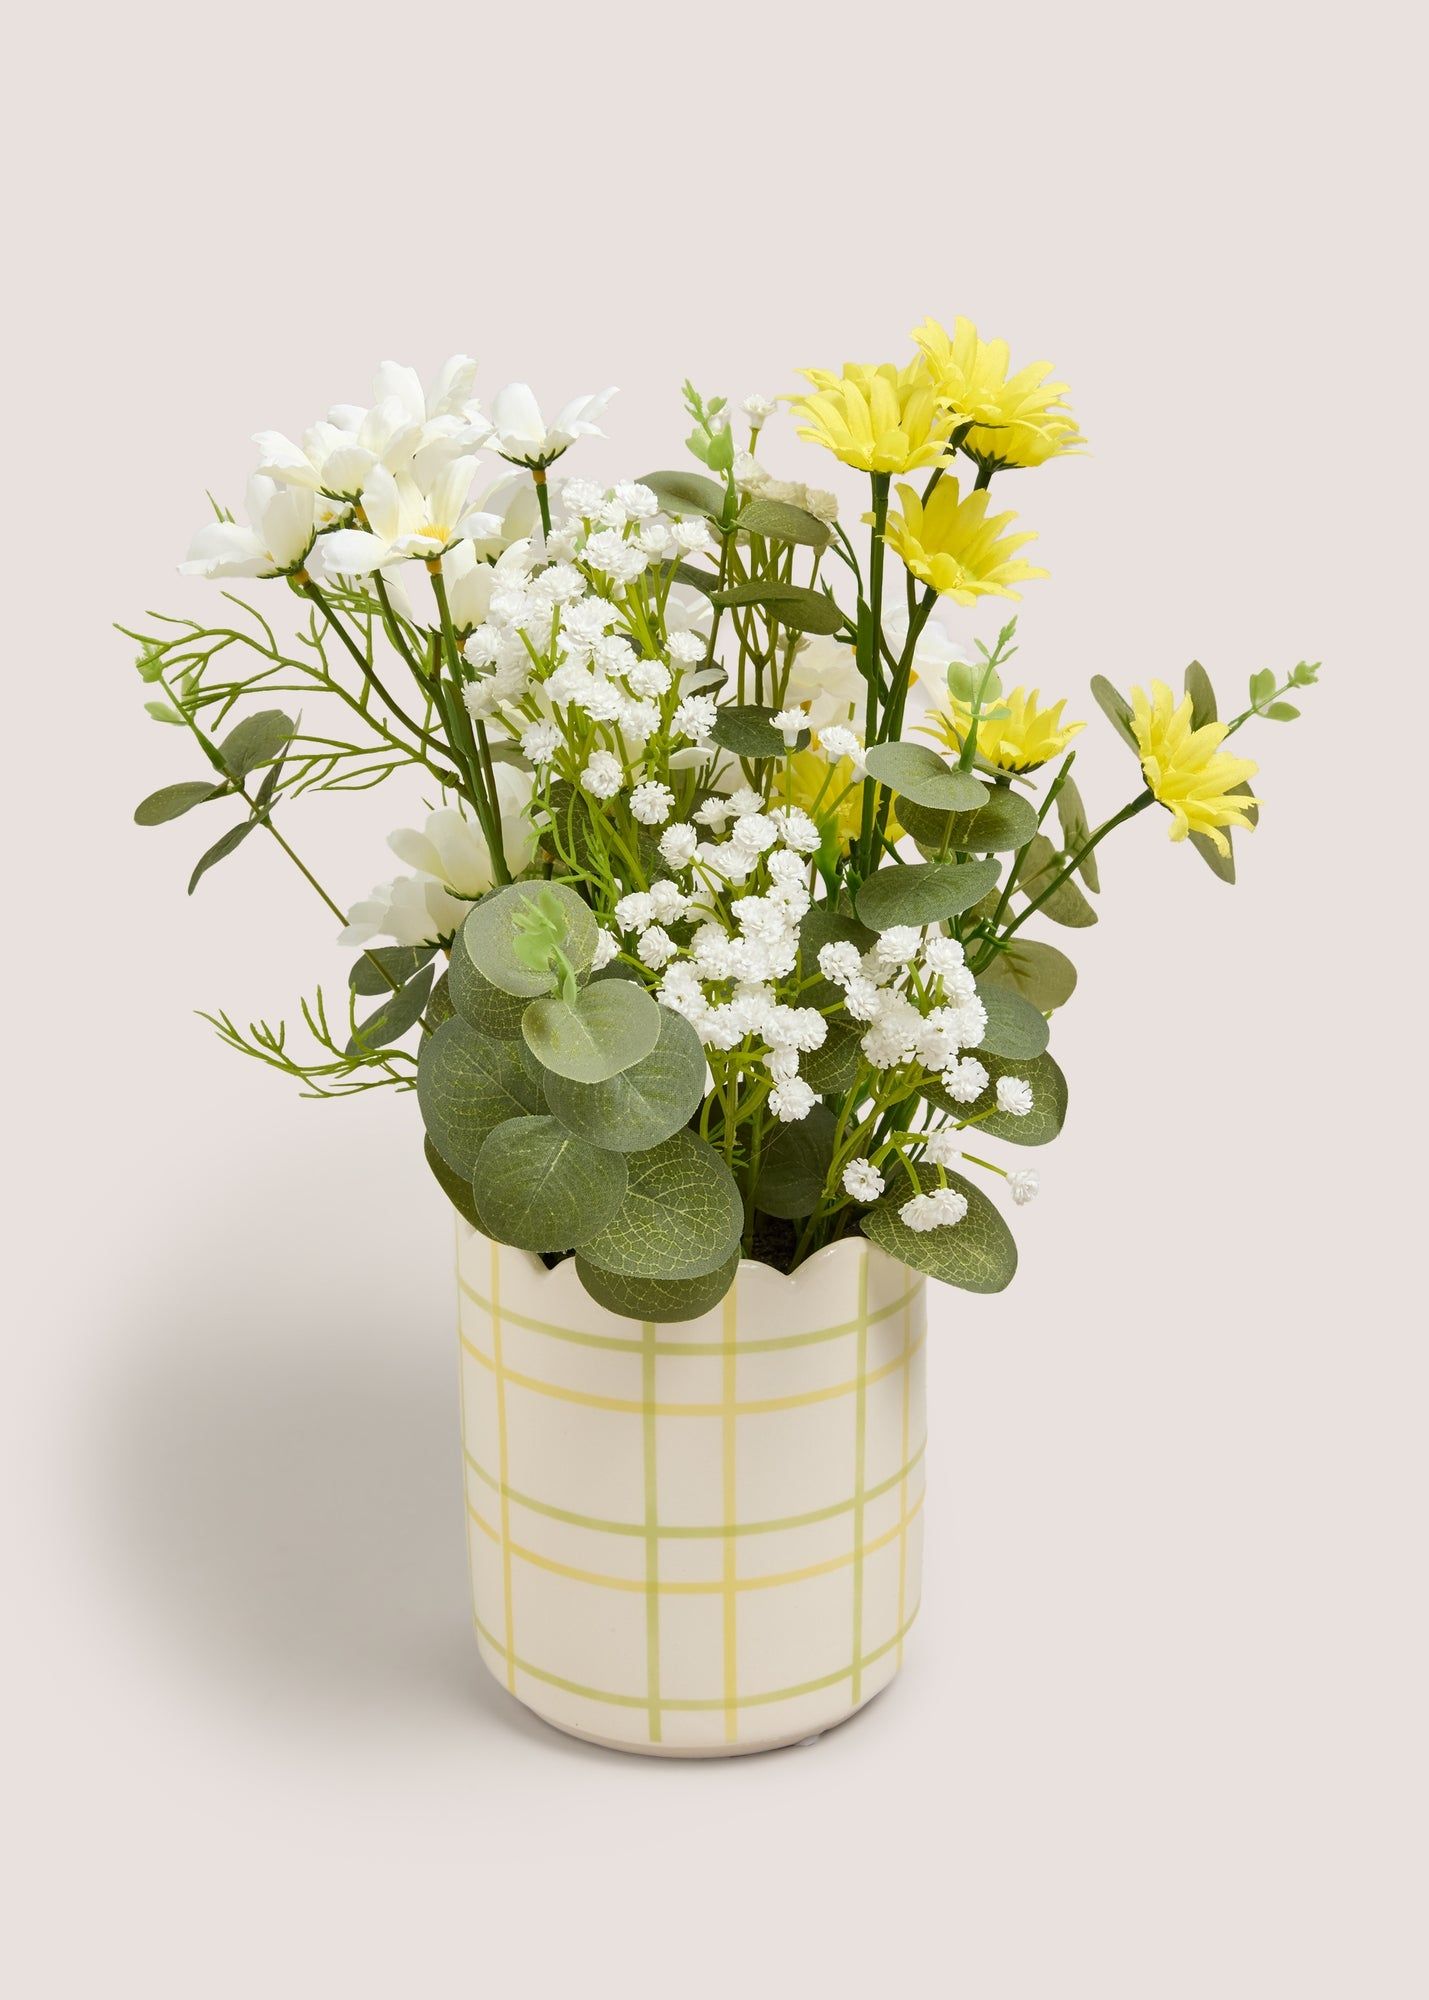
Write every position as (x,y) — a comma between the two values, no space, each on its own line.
(563,1275)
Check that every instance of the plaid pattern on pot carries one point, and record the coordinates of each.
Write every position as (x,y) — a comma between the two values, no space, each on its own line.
(702,1538)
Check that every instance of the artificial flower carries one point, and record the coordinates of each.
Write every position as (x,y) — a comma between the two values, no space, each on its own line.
(953,545)
(1020,740)
(1014,1096)
(880,419)
(406,520)
(824,680)
(862,1180)
(1016,422)
(414,909)
(452,849)
(1022,1185)
(1187,771)
(275,544)
(519,433)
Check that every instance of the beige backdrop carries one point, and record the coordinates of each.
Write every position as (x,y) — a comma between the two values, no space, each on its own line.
(1162,1730)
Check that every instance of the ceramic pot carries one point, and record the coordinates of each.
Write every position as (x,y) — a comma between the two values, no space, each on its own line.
(700,1539)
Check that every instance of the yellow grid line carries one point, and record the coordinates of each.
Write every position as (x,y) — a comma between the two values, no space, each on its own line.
(635,1406)
(903,1515)
(729,1582)
(649,1412)
(597,1523)
(701,1587)
(860,1425)
(504,1461)
(694,1704)
(696,1348)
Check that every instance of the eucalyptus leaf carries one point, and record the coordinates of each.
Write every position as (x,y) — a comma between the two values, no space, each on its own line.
(257,740)
(660,1300)
(487,1007)
(915,771)
(978,1254)
(796,1165)
(1115,708)
(790,604)
(1040,867)
(171,801)
(777,521)
(1008,821)
(642,1105)
(468,1084)
(749,731)
(457,1188)
(610,1026)
(391,1021)
(1014,1026)
(492,936)
(923,892)
(539,1187)
(402,961)
(439,1006)
(221,850)
(681,1216)
(1039,972)
(1076,830)
(1049,1101)
(831,1068)
(687,493)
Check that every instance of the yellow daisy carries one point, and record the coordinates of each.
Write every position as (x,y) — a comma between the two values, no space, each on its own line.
(808,776)
(1187,770)
(952,544)
(1027,737)
(882,419)
(1017,422)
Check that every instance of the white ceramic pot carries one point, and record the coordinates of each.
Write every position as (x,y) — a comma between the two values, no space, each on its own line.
(699,1539)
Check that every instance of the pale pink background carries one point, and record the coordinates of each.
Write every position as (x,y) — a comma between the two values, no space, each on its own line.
(1162,1730)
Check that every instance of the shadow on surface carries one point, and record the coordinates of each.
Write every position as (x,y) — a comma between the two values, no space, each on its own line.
(279,1486)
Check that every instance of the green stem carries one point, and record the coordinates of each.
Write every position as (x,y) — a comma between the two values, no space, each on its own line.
(872,640)
(995,945)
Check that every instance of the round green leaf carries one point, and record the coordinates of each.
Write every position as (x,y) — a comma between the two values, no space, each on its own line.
(540,1187)
(978,1254)
(439,1006)
(1014,1026)
(796,1165)
(681,1216)
(915,771)
(659,1299)
(490,936)
(923,892)
(467,1084)
(484,1006)
(1039,972)
(1041,866)
(612,1025)
(831,1068)
(644,1104)
(457,1188)
(1049,1100)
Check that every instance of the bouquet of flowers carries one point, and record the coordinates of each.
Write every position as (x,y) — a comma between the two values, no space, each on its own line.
(718,938)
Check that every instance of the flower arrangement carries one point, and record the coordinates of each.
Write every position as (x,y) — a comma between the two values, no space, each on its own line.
(715,937)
